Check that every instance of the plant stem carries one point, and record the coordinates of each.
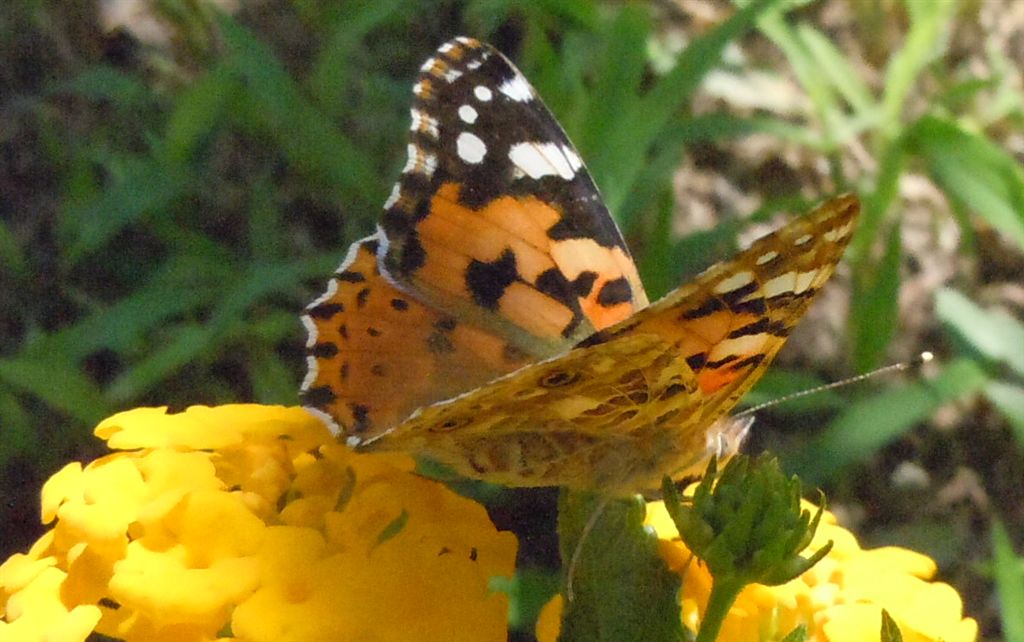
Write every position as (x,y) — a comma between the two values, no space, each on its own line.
(723,594)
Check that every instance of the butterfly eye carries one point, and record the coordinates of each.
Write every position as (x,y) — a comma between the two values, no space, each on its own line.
(558,379)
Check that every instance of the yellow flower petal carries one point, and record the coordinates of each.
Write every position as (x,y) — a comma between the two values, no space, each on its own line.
(36,612)
(163,587)
(186,538)
(59,488)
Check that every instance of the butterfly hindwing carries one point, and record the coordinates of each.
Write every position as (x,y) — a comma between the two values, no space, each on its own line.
(375,353)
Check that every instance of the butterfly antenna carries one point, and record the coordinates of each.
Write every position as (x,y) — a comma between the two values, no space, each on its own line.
(574,561)
(914,363)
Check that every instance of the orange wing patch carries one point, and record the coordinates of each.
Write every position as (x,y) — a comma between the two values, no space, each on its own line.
(495,219)
(376,353)
(499,266)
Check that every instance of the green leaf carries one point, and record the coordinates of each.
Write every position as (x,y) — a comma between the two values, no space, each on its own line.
(871,423)
(994,333)
(619,161)
(837,68)
(528,591)
(144,185)
(18,436)
(925,41)
(330,76)
(974,171)
(799,634)
(12,259)
(875,306)
(1009,579)
(188,342)
(58,383)
(305,135)
(622,589)
(102,82)
(1009,400)
(809,71)
(890,630)
(198,110)
(618,83)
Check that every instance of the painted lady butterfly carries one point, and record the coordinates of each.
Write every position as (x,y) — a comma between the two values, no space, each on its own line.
(496,321)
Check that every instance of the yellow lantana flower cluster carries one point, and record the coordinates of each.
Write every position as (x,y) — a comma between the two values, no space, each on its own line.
(250,522)
(840,599)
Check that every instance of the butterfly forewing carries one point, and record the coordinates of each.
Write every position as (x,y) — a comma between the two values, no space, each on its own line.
(495,219)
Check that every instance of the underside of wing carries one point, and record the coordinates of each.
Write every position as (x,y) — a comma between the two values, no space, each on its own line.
(729,322)
(645,397)
(615,418)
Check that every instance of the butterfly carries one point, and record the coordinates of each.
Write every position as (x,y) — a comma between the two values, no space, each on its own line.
(495,321)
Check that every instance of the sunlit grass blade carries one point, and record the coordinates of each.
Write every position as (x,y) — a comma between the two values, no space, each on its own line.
(1008,571)
(627,144)
(923,43)
(1008,398)
(994,333)
(835,66)
(975,171)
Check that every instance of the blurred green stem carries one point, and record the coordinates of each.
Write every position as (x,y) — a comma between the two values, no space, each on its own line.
(723,594)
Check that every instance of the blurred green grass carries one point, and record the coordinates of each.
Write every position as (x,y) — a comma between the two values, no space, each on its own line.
(168,210)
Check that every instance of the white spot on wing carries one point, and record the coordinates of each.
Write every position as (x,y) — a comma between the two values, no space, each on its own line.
(574,159)
(790,282)
(517,89)
(734,282)
(452,75)
(474,64)
(835,234)
(804,280)
(537,160)
(470,148)
(482,93)
(767,257)
(467,114)
(428,65)
(423,122)
(419,161)
(803,239)
(446,47)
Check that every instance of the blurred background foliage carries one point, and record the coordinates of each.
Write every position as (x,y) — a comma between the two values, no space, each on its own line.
(179,177)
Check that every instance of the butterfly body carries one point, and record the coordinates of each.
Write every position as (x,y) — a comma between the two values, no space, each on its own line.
(496,321)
